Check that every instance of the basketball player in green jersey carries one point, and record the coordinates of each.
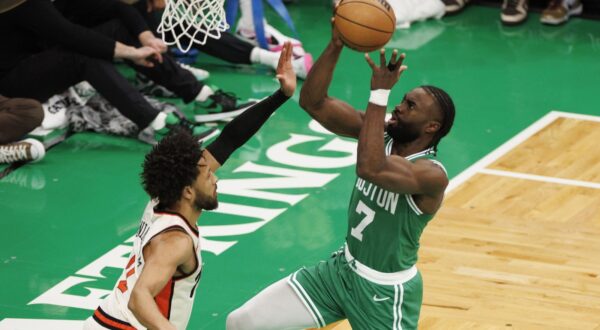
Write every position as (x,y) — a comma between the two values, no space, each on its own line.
(372,281)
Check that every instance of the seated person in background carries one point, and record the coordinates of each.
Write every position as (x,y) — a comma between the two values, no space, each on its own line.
(17,118)
(52,45)
(514,12)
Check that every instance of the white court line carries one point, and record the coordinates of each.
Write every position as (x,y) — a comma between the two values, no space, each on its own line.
(512,143)
(577,116)
(502,150)
(541,178)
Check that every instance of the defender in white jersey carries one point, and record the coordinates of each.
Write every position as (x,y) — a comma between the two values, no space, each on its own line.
(176,298)
(158,285)
(373,281)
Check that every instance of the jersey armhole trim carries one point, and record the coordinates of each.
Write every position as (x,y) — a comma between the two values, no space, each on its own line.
(410,199)
(184,275)
(413,206)
(440,165)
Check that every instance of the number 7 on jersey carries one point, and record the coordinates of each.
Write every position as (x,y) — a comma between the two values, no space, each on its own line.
(362,208)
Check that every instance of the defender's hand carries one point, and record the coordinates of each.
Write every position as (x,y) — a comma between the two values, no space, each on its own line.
(285,71)
(386,76)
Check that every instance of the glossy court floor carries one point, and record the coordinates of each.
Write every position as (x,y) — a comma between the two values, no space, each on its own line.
(514,246)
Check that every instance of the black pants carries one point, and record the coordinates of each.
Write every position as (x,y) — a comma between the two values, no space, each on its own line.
(228,48)
(54,70)
(18,117)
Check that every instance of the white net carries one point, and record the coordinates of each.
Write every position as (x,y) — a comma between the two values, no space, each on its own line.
(185,22)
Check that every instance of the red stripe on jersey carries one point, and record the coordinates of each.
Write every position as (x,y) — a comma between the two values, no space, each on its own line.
(164,299)
(130,272)
(110,322)
(130,262)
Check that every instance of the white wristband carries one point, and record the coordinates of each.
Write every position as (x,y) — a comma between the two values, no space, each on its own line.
(379,97)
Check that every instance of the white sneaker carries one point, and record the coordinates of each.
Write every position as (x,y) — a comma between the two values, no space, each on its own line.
(514,12)
(22,151)
(302,65)
(559,11)
(197,72)
(275,39)
(454,6)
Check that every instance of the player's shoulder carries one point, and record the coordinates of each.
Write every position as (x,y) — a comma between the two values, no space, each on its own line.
(432,164)
(173,243)
(176,236)
(434,171)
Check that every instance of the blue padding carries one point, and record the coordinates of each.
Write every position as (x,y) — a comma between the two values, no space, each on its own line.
(259,27)
(231,11)
(280,9)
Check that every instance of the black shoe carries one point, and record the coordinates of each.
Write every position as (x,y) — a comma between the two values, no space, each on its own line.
(221,106)
(149,87)
(201,133)
(176,122)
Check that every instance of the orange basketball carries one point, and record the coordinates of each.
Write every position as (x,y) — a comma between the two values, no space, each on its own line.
(365,25)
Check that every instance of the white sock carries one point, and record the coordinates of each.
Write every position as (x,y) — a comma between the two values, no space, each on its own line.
(246,20)
(262,56)
(159,122)
(205,92)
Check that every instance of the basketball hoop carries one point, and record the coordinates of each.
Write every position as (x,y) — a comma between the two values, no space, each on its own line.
(185,22)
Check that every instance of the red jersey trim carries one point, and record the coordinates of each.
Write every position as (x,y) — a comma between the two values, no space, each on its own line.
(164,299)
(110,322)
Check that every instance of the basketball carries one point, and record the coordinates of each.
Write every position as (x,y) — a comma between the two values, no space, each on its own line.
(365,25)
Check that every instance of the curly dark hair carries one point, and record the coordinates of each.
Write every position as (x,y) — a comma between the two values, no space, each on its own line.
(171,165)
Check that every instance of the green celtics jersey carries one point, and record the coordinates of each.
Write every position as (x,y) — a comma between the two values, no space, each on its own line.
(384,227)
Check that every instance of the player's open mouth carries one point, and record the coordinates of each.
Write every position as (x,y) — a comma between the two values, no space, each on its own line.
(394,118)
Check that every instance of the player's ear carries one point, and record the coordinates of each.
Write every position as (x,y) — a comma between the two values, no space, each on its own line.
(433,126)
(187,193)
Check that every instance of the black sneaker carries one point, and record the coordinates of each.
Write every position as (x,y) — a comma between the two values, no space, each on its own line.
(221,106)
(514,12)
(175,122)
(149,87)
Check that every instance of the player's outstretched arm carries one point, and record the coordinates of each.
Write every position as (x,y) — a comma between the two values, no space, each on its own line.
(337,116)
(163,255)
(244,126)
(392,173)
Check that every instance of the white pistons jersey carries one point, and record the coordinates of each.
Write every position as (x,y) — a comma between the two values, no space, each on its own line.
(175,300)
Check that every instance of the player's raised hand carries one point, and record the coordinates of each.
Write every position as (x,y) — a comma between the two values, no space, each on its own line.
(386,75)
(285,71)
(335,34)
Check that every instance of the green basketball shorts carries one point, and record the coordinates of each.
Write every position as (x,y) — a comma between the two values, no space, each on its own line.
(336,289)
